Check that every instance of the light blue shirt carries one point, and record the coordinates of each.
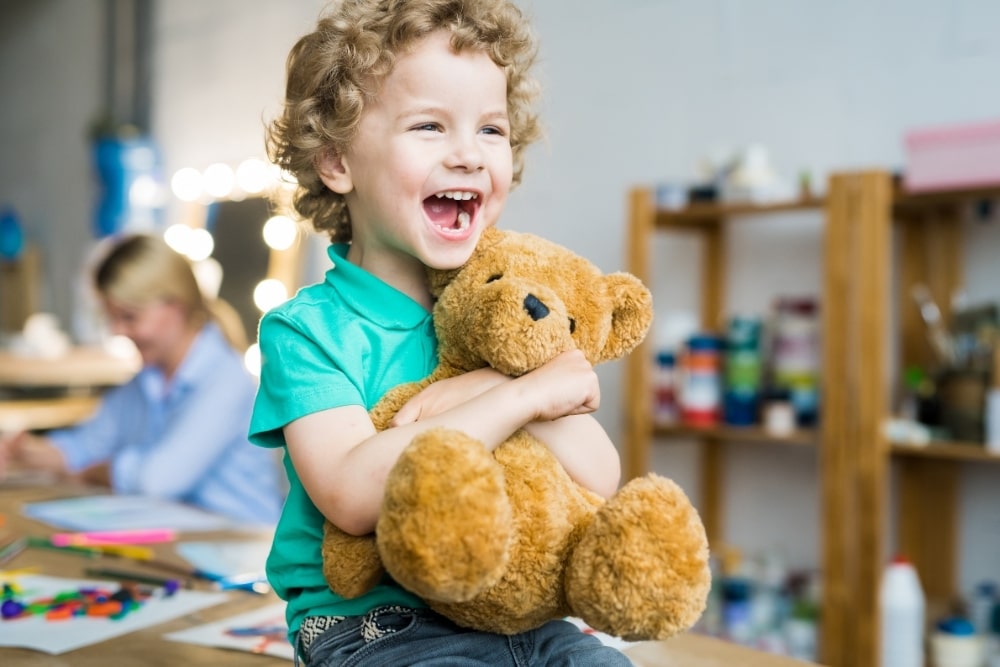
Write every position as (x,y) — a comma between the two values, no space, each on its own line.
(185,440)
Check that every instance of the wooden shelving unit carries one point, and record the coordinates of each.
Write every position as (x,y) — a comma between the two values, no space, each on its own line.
(862,211)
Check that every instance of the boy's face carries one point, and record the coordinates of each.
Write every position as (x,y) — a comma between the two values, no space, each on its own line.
(431,164)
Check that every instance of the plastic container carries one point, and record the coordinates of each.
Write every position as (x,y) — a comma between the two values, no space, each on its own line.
(902,613)
(665,407)
(956,644)
(796,356)
(701,384)
(741,400)
(981,604)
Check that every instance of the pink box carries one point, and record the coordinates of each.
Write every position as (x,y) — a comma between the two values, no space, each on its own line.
(953,157)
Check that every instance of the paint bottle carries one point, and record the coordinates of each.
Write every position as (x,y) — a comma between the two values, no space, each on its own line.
(901,612)
(701,383)
(796,356)
(742,371)
(665,408)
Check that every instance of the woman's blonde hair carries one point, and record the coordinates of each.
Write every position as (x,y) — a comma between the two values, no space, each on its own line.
(334,71)
(140,269)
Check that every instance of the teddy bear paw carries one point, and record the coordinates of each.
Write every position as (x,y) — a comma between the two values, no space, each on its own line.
(641,570)
(446,523)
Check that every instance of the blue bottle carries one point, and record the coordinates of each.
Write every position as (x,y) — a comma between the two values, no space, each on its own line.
(11,235)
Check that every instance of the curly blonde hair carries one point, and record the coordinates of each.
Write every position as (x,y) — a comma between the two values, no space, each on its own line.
(334,71)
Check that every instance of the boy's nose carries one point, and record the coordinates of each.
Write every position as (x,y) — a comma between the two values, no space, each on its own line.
(465,154)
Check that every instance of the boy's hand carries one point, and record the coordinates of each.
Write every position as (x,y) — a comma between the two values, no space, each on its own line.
(446,394)
(567,385)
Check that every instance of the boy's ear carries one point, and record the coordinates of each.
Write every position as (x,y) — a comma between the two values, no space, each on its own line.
(333,172)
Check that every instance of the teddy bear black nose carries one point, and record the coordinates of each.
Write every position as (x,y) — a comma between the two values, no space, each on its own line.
(536,309)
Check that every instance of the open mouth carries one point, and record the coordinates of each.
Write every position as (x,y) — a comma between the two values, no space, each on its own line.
(452,210)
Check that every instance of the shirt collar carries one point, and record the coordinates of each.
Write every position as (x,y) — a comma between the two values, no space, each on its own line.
(360,289)
(198,362)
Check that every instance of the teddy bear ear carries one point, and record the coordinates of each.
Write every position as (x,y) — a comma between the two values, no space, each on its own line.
(632,315)
(437,279)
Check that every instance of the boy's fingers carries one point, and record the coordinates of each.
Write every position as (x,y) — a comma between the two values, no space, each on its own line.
(406,415)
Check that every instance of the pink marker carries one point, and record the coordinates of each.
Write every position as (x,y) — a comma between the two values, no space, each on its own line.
(112,537)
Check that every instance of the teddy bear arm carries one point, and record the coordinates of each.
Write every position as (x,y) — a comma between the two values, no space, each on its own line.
(351,564)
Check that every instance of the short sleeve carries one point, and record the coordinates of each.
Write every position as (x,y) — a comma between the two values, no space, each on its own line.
(299,376)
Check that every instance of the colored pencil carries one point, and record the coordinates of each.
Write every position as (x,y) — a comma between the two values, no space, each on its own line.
(125,575)
(12,549)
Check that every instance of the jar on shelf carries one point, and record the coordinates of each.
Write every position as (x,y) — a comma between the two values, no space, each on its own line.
(796,356)
(701,382)
(665,406)
(742,371)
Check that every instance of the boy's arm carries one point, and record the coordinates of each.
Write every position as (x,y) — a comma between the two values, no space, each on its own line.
(342,462)
(584,450)
(579,442)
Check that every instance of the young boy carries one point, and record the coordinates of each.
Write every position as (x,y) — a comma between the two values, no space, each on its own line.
(405,123)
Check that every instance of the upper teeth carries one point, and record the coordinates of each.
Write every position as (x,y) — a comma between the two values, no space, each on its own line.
(457,194)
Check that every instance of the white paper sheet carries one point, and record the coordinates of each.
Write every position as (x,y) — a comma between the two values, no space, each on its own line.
(122,512)
(34,632)
(261,631)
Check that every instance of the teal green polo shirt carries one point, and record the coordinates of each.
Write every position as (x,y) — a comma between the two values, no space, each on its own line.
(344,341)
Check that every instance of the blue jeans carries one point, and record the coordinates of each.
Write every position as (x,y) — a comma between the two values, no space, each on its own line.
(422,638)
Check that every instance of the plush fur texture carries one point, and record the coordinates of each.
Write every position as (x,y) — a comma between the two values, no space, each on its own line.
(505,542)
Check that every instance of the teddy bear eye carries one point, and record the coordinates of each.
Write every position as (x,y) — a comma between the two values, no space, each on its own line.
(495,276)
(572,325)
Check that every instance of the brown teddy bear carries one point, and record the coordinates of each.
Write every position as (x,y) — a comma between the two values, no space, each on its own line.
(505,541)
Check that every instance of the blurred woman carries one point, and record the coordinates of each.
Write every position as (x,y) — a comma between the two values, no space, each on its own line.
(178,429)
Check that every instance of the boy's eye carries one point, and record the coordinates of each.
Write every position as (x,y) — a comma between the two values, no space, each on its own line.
(492,129)
(428,127)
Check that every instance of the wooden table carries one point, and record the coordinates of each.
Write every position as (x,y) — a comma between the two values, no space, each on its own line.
(82,367)
(143,648)
(148,648)
(32,414)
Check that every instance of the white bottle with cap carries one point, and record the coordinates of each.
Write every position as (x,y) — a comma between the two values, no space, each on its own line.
(901,606)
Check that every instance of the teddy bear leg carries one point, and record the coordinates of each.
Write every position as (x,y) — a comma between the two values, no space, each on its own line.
(641,570)
(446,523)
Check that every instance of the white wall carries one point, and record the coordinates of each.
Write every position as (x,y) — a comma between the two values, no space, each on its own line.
(636,91)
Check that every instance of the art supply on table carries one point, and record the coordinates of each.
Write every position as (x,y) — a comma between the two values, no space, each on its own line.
(262,630)
(170,586)
(36,632)
(12,549)
(116,512)
(114,537)
(64,605)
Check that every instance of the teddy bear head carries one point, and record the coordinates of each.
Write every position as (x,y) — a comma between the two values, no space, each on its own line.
(521,300)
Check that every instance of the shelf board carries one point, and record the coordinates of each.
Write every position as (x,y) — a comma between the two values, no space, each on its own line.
(905,201)
(700,214)
(750,434)
(956,451)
